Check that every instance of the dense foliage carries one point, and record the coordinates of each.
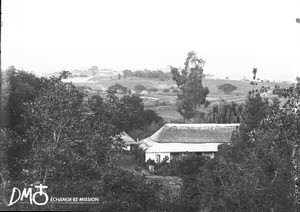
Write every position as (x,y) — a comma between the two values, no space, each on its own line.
(71,146)
(256,172)
(139,88)
(18,87)
(119,88)
(224,112)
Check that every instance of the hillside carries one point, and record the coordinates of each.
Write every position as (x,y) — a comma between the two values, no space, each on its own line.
(105,81)
(163,101)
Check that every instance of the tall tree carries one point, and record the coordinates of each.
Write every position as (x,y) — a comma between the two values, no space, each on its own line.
(189,81)
(18,88)
(256,109)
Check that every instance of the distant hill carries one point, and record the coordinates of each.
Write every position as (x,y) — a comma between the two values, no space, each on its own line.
(103,78)
(90,72)
(164,103)
(243,87)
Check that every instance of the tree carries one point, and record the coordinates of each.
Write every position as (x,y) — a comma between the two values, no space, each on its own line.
(137,117)
(19,87)
(257,170)
(72,150)
(224,112)
(127,73)
(134,111)
(256,109)
(129,191)
(93,70)
(150,116)
(227,88)
(68,140)
(189,168)
(189,82)
(119,88)
(139,87)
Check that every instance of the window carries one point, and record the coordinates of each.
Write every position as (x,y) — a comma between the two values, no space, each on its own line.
(174,156)
(157,158)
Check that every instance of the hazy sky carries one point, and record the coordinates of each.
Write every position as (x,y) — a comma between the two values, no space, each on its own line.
(232,36)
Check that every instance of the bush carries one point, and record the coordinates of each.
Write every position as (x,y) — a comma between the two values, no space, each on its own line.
(150,162)
(166,90)
(227,88)
(191,164)
(139,87)
(119,88)
(169,169)
(153,89)
(163,171)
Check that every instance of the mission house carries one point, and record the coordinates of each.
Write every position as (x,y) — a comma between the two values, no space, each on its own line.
(177,140)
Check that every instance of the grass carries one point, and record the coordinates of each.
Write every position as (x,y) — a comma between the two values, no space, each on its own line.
(129,82)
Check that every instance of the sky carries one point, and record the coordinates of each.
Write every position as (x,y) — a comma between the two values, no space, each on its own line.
(232,36)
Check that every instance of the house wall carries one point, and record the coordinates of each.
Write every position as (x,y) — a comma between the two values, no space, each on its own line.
(127,148)
(154,156)
(171,156)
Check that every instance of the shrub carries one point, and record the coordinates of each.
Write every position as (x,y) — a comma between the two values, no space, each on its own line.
(153,89)
(163,171)
(150,162)
(139,87)
(227,88)
(118,87)
(166,90)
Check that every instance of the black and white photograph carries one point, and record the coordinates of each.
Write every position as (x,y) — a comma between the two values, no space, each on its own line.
(151,106)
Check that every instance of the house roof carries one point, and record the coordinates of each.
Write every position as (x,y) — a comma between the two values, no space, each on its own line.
(126,138)
(194,133)
(144,93)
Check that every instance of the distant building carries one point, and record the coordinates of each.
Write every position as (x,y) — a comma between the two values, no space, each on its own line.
(177,140)
(127,140)
(144,93)
(77,79)
(210,76)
